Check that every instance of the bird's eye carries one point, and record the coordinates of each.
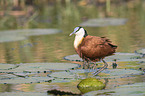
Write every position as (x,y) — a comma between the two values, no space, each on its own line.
(76,29)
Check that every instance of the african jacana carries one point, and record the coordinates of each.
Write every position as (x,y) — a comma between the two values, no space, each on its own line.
(92,48)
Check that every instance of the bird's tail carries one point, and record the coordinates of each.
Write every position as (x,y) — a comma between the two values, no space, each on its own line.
(113,46)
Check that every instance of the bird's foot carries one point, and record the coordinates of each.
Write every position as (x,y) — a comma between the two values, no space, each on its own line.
(101,69)
(95,72)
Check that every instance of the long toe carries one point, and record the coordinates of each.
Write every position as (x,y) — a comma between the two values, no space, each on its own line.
(96,73)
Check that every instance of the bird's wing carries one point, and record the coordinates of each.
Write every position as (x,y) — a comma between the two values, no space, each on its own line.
(96,47)
(91,42)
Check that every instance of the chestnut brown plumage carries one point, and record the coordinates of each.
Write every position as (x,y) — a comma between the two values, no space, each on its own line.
(92,48)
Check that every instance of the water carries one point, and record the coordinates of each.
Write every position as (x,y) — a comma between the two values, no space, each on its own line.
(52,48)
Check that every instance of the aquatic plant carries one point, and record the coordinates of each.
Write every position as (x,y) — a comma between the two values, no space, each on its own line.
(22,34)
(101,22)
(131,89)
(41,67)
(90,84)
(118,56)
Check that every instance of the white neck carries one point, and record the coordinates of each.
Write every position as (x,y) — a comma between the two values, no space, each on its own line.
(79,37)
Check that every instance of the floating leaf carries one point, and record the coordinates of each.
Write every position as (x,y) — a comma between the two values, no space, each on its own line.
(23,74)
(74,57)
(72,74)
(34,32)
(23,94)
(7,76)
(136,89)
(133,64)
(90,84)
(121,73)
(118,56)
(109,73)
(30,32)
(101,22)
(48,66)
(62,80)
(22,34)
(81,70)
(41,67)
(64,75)
(123,57)
(25,80)
(10,38)
(140,51)
(7,66)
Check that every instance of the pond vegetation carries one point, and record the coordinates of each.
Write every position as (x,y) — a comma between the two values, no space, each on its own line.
(37,55)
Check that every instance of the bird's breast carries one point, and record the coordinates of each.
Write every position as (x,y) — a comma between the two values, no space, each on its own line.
(78,40)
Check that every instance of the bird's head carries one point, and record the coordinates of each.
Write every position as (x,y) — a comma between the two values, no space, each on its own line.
(79,31)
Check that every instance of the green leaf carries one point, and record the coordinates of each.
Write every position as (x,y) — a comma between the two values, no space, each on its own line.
(24,94)
(90,84)
(7,66)
(140,51)
(118,56)
(25,80)
(136,89)
(22,34)
(41,67)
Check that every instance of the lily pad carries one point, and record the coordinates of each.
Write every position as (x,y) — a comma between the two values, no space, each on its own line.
(109,73)
(123,57)
(133,64)
(41,67)
(74,57)
(25,80)
(23,74)
(24,94)
(140,51)
(101,22)
(62,80)
(7,76)
(120,73)
(118,56)
(22,34)
(90,84)
(10,38)
(72,74)
(30,32)
(32,67)
(7,66)
(136,89)
(63,75)
(81,71)
(34,32)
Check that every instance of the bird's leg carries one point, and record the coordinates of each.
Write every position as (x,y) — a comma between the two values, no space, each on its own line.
(88,61)
(88,67)
(84,64)
(105,66)
(94,65)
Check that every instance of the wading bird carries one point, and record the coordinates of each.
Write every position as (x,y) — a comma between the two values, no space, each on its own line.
(92,48)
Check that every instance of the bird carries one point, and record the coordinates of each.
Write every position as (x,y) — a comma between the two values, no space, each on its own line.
(92,48)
